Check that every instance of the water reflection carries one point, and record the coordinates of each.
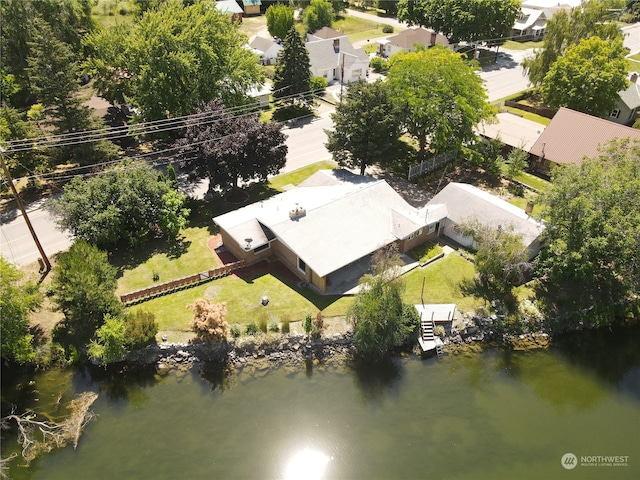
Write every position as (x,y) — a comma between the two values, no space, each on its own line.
(376,379)
(119,382)
(220,376)
(306,464)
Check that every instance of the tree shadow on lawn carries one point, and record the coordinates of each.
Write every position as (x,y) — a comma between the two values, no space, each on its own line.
(281,273)
(124,257)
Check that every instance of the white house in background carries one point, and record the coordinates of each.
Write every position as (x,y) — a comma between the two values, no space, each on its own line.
(407,40)
(626,109)
(531,24)
(231,8)
(261,95)
(465,203)
(266,49)
(332,56)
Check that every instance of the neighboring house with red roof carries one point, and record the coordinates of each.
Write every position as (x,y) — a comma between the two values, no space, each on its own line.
(571,136)
(407,40)
(335,220)
(332,56)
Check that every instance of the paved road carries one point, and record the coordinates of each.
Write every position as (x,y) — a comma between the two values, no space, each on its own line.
(306,145)
(16,243)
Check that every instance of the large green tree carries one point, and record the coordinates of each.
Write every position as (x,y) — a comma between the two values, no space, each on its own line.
(17,300)
(173,59)
(231,148)
(462,20)
(318,14)
(565,29)
(381,321)
(589,264)
(292,78)
(588,77)
(440,97)
(67,21)
(279,20)
(366,127)
(128,203)
(84,284)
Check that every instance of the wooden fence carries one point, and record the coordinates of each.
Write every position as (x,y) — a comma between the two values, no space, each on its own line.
(431,164)
(179,284)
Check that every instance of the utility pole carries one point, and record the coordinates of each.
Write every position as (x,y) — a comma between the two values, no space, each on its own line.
(43,256)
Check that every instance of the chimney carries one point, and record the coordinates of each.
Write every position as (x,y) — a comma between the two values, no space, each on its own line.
(433,38)
(633,78)
(336,45)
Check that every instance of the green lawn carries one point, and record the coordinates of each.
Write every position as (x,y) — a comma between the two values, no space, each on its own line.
(528,115)
(243,297)
(193,258)
(297,176)
(532,181)
(442,283)
(513,45)
(286,300)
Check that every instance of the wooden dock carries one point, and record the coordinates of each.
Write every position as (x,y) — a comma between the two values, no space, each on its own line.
(430,315)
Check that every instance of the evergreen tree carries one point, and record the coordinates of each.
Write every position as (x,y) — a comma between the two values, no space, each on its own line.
(292,78)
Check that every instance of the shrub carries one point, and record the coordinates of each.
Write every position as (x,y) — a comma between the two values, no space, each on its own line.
(141,329)
(262,322)
(251,329)
(273,327)
(286,320)
(318,85)
(307,324)
(235,330)
(379,64)
(439,331)
(318,326)
(387,29)
(209,322)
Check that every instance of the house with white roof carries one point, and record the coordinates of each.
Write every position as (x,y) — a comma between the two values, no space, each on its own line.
(266,49)
(335,219)
(465,203)
(332,56)
(231,8)
(531,24)
(407,40)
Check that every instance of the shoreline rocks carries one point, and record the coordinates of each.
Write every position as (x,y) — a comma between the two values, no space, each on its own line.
(272,350)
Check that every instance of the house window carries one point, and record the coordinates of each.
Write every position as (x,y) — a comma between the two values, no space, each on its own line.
(419,232)
(261,248)
(615,113)
(432,228)
(302,266)
(410,237)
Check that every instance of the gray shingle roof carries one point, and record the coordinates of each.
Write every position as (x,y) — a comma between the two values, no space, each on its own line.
(465,203)
(344,220)
(631,96)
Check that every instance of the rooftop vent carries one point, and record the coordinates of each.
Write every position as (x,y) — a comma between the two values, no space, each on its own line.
(297,212)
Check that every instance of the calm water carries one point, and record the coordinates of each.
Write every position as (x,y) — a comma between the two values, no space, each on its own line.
(488,415)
